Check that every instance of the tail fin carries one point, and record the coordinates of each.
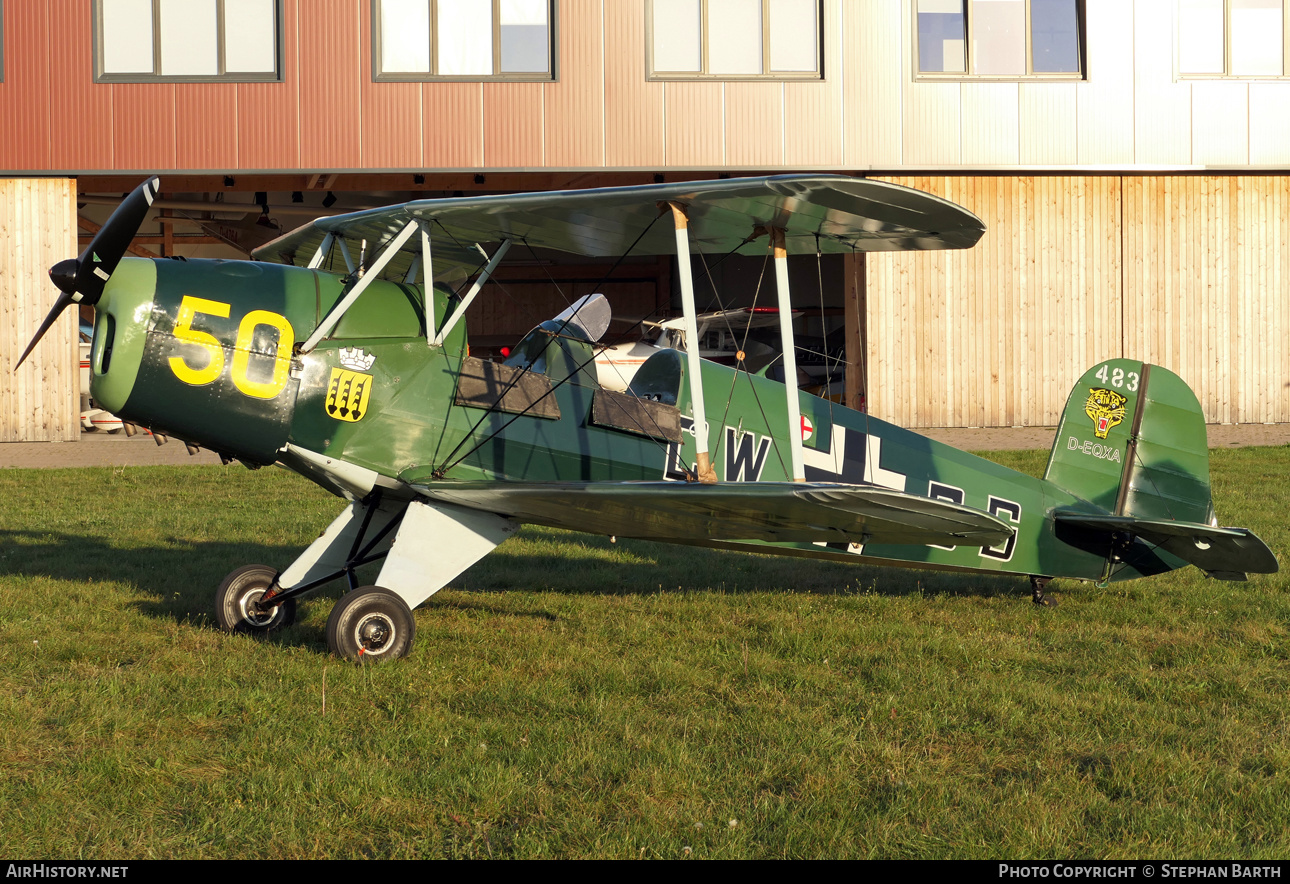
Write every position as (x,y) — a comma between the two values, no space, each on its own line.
(1132,442)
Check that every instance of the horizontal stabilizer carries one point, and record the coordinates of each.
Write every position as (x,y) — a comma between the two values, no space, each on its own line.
(1222,553)
(768,511)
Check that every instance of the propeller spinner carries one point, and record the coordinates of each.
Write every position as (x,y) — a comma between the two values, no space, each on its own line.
(80,280)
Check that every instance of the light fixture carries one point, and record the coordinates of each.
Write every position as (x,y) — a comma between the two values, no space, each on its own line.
(479,179)
(329,200)
(229,181)
(418,179)
(297,196)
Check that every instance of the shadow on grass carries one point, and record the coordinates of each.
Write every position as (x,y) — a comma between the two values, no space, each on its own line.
(562,562)
(177,579)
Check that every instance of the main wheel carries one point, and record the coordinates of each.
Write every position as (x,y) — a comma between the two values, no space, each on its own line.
(235,602)
(371,623)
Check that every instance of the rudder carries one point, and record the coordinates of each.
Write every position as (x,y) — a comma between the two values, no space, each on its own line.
(1132,441)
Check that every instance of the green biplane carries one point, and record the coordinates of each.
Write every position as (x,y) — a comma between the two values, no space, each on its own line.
(361,381)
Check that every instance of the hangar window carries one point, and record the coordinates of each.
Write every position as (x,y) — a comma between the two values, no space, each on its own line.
(1008,39)
(463,39)
(1232,38)
(735,39)
(138,41)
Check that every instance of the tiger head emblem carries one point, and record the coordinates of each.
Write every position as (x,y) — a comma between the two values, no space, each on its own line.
(1106,408)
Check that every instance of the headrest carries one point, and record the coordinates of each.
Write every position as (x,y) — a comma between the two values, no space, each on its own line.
(590,314)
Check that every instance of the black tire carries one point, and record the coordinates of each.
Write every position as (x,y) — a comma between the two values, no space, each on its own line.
(239,591)
(371,623)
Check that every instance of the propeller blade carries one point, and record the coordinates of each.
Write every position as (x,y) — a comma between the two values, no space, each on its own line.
(81,280)
(96,263)
(64,301)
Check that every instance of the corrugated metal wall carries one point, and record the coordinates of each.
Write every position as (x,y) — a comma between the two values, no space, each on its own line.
(869,112)
(37,229)
(1188,272)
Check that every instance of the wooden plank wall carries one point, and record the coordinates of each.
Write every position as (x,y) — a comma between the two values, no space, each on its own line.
(41,401)
(995,335)
(1208,288)
(1189,272)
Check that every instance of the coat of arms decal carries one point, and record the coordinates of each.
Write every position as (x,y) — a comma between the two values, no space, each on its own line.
(347,394)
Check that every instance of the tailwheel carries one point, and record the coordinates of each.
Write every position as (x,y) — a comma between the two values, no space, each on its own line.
(371,623)
(238,607)
(1037,587)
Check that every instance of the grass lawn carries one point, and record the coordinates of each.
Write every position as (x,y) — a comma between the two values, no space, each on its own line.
(572,697)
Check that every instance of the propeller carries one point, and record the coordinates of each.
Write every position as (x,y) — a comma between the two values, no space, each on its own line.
(80,280)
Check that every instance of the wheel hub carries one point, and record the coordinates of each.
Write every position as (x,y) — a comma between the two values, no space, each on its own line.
(252,611)
(374,633)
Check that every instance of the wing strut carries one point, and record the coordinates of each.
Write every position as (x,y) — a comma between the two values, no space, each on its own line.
(344,251)
(790,354)
(319,256)
(427,261)
(348,301)
(474,290)
(693,367)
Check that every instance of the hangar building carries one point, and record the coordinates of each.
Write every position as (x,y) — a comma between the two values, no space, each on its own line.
(1127,156)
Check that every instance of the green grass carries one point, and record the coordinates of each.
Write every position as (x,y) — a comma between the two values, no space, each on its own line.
(571,697)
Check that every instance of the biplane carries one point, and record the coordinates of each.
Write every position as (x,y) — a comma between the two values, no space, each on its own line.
(342,354)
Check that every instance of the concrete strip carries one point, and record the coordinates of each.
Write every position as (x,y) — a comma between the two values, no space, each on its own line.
(1004,438)
(102,450)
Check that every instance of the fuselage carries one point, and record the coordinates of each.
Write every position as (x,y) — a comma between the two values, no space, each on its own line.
(206,351)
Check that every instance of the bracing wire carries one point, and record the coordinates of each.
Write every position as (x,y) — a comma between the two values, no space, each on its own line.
(440,471)
(779,455)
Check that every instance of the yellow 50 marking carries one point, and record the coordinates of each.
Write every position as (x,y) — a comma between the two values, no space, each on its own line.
(184,331)
(201,375)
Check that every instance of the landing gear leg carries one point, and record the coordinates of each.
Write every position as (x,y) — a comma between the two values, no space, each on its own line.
(1037,587)
(372,622)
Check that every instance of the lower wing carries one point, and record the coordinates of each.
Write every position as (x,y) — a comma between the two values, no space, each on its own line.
(770,511)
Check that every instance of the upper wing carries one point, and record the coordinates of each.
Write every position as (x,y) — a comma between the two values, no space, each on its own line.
(769,511)
(833,213)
